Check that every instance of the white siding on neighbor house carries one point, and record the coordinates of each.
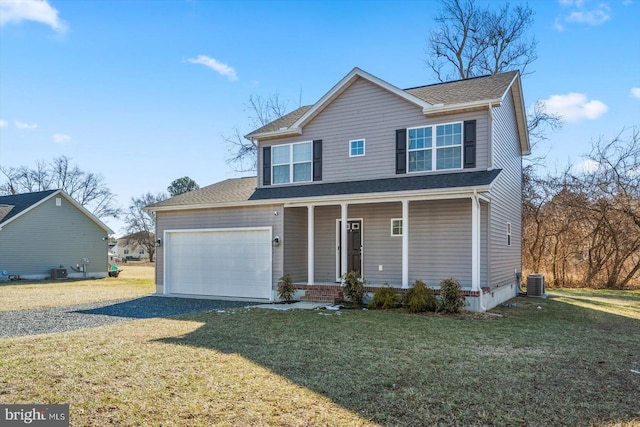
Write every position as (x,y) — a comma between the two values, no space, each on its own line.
(259,216)
(366,111)
(506,197)
(50,236)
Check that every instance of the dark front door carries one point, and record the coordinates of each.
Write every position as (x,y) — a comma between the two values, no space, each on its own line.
(354,245)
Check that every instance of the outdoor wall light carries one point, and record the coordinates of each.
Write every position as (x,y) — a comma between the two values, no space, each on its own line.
(276,241)
(159,242)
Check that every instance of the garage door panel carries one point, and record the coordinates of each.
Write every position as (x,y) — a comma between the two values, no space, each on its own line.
(226,263)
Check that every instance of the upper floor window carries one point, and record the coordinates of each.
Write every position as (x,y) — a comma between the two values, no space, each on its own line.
(446,153)
(291,162)
(356,148)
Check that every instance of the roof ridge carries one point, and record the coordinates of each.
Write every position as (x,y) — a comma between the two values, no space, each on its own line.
(461,80)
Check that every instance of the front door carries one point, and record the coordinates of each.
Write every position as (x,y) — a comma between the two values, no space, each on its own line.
(354,246)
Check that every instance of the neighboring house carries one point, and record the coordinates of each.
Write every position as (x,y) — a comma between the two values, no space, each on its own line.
(422,183)
(128,248)
(47,230)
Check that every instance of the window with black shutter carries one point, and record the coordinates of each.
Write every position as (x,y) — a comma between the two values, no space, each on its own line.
(266,166)
(470,144)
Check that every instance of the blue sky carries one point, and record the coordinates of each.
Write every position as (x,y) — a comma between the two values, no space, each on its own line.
(142,91)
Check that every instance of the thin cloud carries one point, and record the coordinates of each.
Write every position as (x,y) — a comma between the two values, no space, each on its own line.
(590,17)
(61,138)
(219,67)
(17,11)
(635,92)
(3,123)
(25,126)
(574,107)
(580,15)
(586,166)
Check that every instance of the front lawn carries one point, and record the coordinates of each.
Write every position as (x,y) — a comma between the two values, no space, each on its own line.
(546,362)
(133,281)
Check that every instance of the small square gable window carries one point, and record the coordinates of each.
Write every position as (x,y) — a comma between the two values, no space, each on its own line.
(356,148)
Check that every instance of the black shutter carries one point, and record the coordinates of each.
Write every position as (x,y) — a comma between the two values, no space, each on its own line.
(470,144)
(317,160)
(401,151)
(266,166)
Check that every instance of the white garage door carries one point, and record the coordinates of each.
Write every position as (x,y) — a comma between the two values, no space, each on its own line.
(219,262)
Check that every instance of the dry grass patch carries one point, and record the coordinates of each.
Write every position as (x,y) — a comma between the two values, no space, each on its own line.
(128,375)
(546,362)
(24,295)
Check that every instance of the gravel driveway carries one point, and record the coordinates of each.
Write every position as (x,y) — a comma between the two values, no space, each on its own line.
(62,319)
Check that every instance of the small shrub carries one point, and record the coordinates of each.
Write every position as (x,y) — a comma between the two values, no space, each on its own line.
(385,298)
(451,299)
(286,291)
(420,298)
(353,287)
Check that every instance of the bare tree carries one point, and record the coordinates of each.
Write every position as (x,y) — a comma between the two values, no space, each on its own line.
(470,41)
(243,152)
(582,227)
(87,188)
(141,224)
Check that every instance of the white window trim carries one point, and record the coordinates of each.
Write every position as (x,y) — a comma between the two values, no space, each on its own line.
(291,163)
(434,148)
(401,227)
(364,147)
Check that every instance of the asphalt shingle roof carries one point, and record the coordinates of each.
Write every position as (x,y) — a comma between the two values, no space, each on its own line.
(13,205)
(228,191)
(469,90)
(244,189)
(404,183)
(283,122)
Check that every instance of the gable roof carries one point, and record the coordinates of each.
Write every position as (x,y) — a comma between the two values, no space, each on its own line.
(17,205)
(243,191)
(435,99)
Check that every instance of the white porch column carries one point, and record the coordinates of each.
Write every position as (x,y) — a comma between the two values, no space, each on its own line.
(405,243)
(310,244)
(475,242)
(343,240)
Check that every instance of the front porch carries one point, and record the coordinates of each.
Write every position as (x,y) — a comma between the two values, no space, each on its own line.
(391,242)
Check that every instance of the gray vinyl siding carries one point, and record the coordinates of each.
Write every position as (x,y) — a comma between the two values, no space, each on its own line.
(325,244)
(50,236)
(506,197)
(295,243)
(260,216)
(440,241)
(366,111)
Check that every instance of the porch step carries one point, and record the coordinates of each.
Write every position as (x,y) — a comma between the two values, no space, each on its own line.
(322,295)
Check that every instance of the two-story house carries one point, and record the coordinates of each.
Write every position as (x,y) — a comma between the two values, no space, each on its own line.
(422,183)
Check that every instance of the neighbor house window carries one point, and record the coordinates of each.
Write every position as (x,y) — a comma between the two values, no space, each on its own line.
(126,251)
(291,162)
(141,251)
(508,234)
(445,154)
(396,227)
(356,148)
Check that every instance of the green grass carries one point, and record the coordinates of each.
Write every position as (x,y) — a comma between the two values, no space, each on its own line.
(546,362)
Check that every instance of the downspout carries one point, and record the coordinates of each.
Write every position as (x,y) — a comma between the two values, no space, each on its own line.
(490,166)
(476,200)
